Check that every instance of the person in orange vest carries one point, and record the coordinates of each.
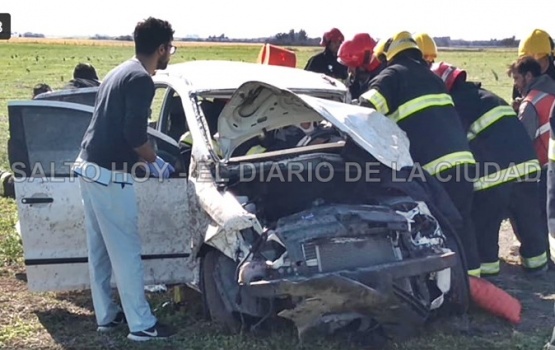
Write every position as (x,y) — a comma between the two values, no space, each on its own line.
(538,102)
(326,61)
(357,55)
(539,45)
(535,112)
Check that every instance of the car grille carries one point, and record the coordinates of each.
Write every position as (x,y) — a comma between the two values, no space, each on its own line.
(347,253)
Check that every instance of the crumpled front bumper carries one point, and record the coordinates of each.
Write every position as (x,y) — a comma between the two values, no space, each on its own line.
(367,291)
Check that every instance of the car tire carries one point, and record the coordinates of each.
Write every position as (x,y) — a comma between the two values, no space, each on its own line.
(212,296)
(458,298)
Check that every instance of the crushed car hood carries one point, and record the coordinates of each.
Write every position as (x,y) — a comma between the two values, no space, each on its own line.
(256,107)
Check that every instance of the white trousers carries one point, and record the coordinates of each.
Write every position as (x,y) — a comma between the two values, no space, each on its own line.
(114,246)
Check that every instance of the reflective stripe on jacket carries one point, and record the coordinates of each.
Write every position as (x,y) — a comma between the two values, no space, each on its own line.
(410,94)
(500,144)
(543,104)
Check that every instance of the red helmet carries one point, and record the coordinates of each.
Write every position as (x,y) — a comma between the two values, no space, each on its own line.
(448,73)
(333,35)
(357,53)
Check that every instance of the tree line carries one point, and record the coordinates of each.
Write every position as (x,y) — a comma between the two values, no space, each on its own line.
(301,38)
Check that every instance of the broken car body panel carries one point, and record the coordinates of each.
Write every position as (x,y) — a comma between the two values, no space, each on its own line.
(256,107)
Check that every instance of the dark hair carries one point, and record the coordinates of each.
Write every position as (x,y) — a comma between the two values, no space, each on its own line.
(41,88)
(524,65)
(84,71)
(150,34)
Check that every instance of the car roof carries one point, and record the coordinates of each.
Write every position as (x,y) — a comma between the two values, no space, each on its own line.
(229,75)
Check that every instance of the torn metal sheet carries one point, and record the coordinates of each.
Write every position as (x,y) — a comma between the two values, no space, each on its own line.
(334,294)
(374,132)
(228,216)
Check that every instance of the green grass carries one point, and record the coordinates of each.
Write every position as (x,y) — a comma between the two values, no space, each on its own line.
(66,321)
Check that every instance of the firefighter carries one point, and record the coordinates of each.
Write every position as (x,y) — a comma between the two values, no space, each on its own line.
(326,61)
(417,100)
(357,55)
(379,50)
(535,112)
(539,45)
(507,171)
(428,47)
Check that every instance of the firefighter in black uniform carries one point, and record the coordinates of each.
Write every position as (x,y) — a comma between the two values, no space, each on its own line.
(357,55)
(507,171)
(417,100)
(326,61)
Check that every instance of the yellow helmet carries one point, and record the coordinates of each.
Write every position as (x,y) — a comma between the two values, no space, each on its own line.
(398,43)
(379,49)
(537,44)
(427,45)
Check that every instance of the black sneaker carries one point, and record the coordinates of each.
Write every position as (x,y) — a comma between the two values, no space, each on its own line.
(118,321)
(158,331)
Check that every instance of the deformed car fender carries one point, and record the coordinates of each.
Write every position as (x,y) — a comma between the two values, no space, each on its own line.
(227,215)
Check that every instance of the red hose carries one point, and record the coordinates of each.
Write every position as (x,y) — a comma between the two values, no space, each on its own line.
(495,300)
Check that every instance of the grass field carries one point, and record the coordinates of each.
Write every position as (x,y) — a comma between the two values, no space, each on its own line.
(66,321)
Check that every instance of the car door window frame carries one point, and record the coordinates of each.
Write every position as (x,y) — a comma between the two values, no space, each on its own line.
(31,167)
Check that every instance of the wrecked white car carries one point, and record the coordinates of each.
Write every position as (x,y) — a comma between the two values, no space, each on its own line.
(320,225)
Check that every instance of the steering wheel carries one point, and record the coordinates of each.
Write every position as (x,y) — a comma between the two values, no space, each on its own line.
(322,135)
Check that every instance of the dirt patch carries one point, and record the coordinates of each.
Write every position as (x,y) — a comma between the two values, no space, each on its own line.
(536,294)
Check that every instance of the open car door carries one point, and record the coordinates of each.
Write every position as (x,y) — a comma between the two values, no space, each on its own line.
(85,96)
(45,138)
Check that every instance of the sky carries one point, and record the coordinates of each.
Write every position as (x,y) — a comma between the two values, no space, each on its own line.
(459,19)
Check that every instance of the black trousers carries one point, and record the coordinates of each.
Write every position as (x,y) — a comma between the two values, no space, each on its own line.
(458,184)
(521,200)
(543,208)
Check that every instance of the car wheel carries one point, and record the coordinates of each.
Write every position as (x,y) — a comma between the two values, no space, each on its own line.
(458,298)
(213,296)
